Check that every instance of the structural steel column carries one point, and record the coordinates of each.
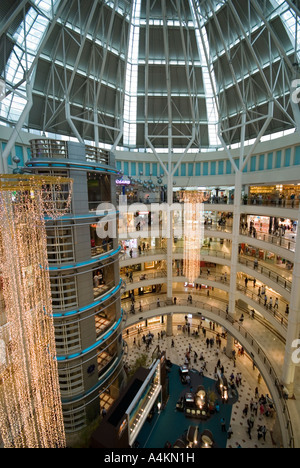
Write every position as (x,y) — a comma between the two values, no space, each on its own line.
(292,340)
(169,326)
(170,238)
(234,254)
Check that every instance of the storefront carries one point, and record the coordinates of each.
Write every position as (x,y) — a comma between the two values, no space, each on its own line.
(279,193)
(260,223)
(129,244)
(143,326)
(208,194)
(142,291)
(265,255)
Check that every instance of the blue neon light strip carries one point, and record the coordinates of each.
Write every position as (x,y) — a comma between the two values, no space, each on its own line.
(90,306)
(83,264)
(95,345)
(86,216)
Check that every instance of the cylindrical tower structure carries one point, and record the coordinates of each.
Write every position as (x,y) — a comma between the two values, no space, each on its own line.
(85,281)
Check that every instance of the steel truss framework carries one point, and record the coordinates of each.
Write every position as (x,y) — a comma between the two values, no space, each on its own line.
(73,82)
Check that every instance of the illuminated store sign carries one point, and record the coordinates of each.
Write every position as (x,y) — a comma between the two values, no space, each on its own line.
(122,182)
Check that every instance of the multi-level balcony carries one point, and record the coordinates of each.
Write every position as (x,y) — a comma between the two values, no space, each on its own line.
(265,270)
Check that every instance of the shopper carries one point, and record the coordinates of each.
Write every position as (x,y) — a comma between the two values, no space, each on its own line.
(249,430)
(259,432)
(223,425)
(259,379)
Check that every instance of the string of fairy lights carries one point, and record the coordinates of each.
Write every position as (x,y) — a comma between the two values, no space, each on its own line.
(30,404)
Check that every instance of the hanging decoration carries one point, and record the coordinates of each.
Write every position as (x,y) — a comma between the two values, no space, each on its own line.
(193,234)
(30,404)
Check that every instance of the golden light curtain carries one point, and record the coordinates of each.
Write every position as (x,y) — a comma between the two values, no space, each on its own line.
(193,234)
(30,403)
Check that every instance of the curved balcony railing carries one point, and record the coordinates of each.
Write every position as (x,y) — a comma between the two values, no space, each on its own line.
(279,241)
(262,269)
(58,149)
(272,202)
(143,253)
(277,313)
(256,267)
(267,272)
(101,249)
(103,322)
(273,240)
(50,149)
(208,252)
(96,155)
(97,207)
(217,227)
(100,289)
(139,277)
(253,344)
(269,312)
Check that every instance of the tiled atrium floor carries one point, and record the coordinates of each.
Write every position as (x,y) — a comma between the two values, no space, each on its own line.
(243,365)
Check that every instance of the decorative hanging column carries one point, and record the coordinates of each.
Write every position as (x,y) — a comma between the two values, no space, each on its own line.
(193,234)
(30,404)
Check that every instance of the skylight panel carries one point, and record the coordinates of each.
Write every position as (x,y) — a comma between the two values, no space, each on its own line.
(208,79)
(290,21)
(27,39)
(131,82)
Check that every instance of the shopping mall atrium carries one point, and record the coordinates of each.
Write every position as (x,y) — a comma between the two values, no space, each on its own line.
(149,210)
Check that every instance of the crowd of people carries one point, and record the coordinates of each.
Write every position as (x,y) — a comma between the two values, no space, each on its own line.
(276,198)
(260,405)
(256,412)
(279,199)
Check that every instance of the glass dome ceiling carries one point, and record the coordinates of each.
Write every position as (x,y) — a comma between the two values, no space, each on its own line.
(150,73)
